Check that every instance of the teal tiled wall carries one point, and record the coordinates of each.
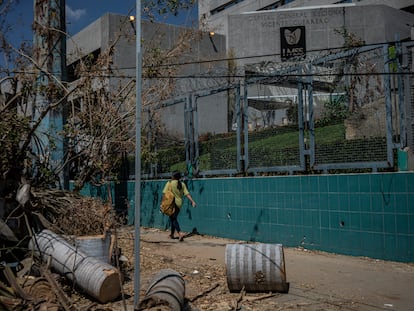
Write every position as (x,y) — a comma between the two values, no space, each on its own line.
(360,214)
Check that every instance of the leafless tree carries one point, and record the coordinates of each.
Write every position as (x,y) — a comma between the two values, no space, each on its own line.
(97,132)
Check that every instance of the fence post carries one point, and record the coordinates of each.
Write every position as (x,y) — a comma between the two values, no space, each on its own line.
(388,105)
(238,132)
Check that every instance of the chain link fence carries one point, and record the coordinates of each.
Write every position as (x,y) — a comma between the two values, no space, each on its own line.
(350,110)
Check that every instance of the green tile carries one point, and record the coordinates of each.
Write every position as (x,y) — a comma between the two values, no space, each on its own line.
(354,202)
(402,222)
(311,201)
(268,185)
(377,203)
(323,184)
(353,184)
(410,203)
(246,199)
(350,240)
(333,184)
(390,243)
(371,242)
(377,222)
(399,183)
(289,197)
(374,224)
(253,184)
(354,221)
(334,220)
(366,221)
(325,219)
(323,201)
(411,225)
(314,184)
(365,202)
(401,205)
(269,200)
(296,202)
(259,202)
(324,236)
(409,182)
(273,219)
(343,202)
(404,245)
(281,199)
(364,181)
(305,184)
(378,185)
(236,199)
(264,215)
(309,218)
(283,216)
(333,202)
(281,185)
(343,220)
(292,184)
(298,217)
(335,239)
(389,223)
(390,203)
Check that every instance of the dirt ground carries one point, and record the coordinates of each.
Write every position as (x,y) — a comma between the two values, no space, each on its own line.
(318,280)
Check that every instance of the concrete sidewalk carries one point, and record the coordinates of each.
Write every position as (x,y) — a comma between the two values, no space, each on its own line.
(318,280)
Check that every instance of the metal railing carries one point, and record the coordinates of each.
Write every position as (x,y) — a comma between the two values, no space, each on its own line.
(349,110)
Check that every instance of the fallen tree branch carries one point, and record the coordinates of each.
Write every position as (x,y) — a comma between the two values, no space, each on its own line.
(63,299)
(270,295)
(13,283)
(204,293)
(237,304)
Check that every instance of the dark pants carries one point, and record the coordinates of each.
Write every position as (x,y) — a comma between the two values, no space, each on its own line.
(175,226)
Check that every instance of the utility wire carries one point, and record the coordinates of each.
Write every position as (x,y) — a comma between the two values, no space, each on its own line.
(159,66)
(274,76)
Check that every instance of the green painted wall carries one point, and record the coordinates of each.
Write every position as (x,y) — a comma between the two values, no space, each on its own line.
(358,214)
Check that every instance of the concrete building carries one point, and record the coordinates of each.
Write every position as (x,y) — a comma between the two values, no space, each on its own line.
(215,13)
(257,32)
(251,32)
(113,28)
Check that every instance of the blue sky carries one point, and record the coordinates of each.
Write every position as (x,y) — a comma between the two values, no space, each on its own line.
(79,14)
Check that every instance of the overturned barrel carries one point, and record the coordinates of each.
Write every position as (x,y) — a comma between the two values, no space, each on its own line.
(95,277)
(166,287)
(97,246)
(256,268)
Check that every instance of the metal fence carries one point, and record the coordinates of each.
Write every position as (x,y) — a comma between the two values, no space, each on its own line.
(349,110)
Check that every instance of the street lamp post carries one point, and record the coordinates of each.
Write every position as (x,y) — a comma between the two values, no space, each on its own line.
(137,219)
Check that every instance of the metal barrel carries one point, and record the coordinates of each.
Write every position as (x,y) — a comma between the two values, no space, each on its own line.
(256,268)
(95,277)
(97,246)
(167,286)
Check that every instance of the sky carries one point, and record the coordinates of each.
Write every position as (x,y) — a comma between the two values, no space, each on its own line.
(79,14)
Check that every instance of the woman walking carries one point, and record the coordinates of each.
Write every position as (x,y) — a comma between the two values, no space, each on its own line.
(179,189)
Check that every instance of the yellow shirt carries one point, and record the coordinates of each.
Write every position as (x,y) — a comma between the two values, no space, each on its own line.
(178,194)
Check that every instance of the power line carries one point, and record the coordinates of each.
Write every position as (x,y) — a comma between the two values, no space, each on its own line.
(276,75)
(214,75)
(338,49)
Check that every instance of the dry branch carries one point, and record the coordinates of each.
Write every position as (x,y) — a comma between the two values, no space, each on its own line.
(204,292)
(270,295)
(72,214)
(239,300)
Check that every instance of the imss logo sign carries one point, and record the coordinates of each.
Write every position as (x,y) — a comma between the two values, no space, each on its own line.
(292,42)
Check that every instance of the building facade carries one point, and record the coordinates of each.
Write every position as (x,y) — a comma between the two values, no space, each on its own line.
(215,12)
(117,30)
(258,32)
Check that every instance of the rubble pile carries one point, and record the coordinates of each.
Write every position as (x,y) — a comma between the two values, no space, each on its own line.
(72,214)
(29,279)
